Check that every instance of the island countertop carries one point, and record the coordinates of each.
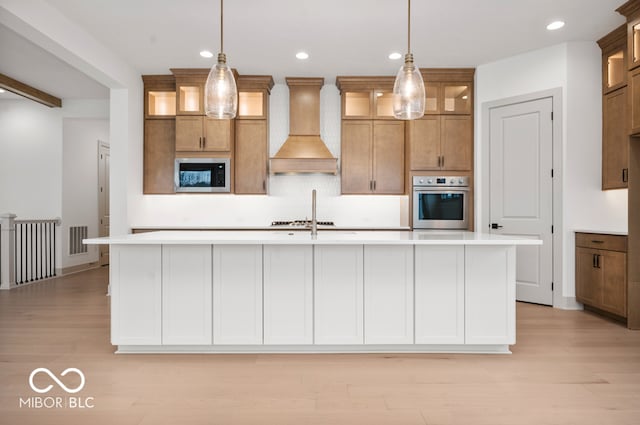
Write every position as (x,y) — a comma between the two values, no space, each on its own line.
(279,237)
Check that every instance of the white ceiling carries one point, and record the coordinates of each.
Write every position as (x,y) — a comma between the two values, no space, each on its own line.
(343,37)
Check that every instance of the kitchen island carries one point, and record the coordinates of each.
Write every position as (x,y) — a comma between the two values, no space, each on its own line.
(338,291)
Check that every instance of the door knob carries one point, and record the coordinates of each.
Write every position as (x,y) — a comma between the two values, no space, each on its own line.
(495,226)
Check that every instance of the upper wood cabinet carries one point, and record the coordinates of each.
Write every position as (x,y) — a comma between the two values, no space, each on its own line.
(634,43)
(190,90)
(372,157)
(366,97)
(615,119)
(202,134)
(440,143)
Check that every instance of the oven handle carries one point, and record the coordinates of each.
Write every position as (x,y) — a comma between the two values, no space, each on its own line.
(449,189)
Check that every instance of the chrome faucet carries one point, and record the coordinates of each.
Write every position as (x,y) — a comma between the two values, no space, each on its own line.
(314,221)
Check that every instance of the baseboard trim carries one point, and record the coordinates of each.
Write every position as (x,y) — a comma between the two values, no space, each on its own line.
(79,268)
(569,303)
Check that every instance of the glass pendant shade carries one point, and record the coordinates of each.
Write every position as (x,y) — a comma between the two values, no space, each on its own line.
(408,92)
(220,92)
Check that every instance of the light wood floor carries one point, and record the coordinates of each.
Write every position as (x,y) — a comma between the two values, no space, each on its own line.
(568,367)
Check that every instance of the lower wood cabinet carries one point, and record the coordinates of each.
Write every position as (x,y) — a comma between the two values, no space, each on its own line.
(388,294)
(439,294)
(601,272)
(186,294)
(490,312)
(237,294)
(288,294)
(338,294)
(136,305)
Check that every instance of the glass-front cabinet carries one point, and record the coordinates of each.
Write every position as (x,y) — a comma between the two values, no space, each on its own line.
(456,98)
(251,105)
(190,99)
(634,41)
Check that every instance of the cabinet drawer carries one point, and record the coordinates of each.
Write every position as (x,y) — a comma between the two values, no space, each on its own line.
(600,241)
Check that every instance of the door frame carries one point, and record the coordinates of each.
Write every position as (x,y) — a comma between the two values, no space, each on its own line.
(559,300)
(102,147)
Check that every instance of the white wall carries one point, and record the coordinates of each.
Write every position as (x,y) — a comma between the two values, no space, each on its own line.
(576,69)
(290,195)
(30,159)
(47,164)
(80,182)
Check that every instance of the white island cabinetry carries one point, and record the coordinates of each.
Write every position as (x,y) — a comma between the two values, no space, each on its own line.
(258,291)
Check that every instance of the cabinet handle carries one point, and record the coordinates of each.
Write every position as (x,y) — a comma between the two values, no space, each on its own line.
(442,160)
(199,142)
(593,261)
(625,175)
(598,260)
(204,142)
(374,185)
(439,161)
(596,241)
(370,185)
(264,185)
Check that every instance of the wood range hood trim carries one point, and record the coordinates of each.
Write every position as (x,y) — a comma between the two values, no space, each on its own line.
(304,151)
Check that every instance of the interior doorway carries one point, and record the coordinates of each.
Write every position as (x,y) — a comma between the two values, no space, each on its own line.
(519,183)
(103,199)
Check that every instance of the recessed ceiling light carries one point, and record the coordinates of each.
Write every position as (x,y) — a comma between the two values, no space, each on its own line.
(302,55)
(1,90)
(395,56)
(206,54)
(555,25)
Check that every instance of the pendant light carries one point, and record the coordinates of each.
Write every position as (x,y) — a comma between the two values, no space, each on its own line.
(408,89)
(220,92)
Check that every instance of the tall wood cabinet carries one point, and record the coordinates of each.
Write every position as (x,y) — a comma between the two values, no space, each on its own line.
(615,139)
(631,10)
(252,134)
(601,272)
(159,133)
(373,141)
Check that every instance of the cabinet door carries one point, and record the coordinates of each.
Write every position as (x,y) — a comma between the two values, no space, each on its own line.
(633,43)
(190,98)
(159,155)
(490,295)
(456,98)
(288,294)
(237,294)
(614,282)
(356,157)
(439,286)
(216,135)
(186,294)
(338,301)
(188,134)
(388,294)
(424,143)
(251,156)
(388,157)
(136,295)
(588,277)
(634,101)
(456,143)
(615,140)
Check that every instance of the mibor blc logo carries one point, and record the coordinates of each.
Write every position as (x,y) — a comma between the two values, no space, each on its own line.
(56,402)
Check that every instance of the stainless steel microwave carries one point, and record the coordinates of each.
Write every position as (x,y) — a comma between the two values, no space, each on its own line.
(202,175)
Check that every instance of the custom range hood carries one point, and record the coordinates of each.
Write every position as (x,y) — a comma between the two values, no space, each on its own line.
(304,151)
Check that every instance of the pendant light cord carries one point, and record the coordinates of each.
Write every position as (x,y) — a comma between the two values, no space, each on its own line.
(221,27)
(409,28)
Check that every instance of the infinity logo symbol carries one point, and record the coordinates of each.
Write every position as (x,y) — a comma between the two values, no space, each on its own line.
(57,381)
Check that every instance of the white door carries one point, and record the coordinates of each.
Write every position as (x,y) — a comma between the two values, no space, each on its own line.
(103,199)
(521,190)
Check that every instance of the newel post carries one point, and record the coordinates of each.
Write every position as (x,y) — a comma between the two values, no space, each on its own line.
(7,250)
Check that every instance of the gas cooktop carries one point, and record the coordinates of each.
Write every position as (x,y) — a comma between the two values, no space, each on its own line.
(300,223)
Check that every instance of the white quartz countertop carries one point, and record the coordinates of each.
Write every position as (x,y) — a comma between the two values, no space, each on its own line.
(334,237)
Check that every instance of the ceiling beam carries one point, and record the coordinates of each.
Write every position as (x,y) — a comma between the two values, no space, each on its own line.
(29,92)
